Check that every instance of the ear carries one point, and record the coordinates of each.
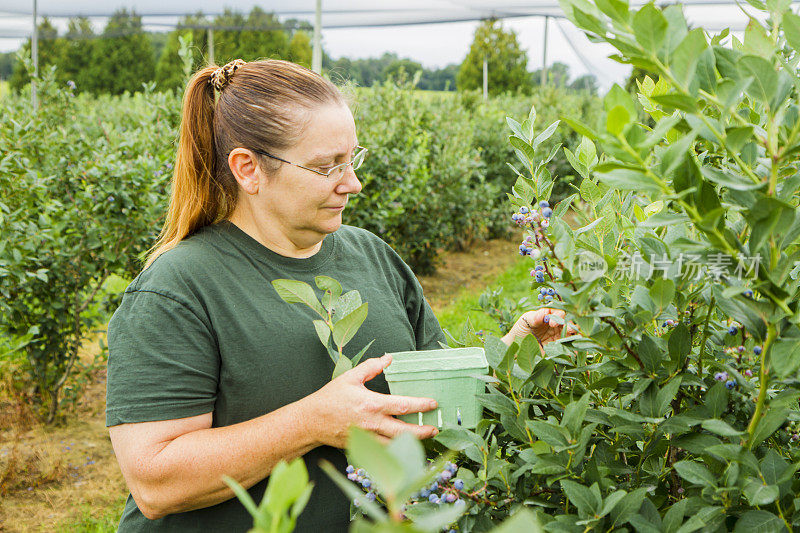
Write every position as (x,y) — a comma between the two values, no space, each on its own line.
(244,167)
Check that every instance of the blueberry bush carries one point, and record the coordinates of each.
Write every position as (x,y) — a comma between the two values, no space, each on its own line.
(675,405)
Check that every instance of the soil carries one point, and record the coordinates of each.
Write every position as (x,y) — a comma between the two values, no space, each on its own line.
(67,473)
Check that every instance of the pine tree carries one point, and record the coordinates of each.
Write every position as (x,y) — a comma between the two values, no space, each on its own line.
(49,46)
(78,50)
(169,69)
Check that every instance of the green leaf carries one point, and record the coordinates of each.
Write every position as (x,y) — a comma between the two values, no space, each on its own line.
(327,283)
(346,304)
(757,41)
(242,494)
(524,190)
(523,146)
(576,165)
(769,423)
(650,354)
(684,58)
(549,433)
(323,331)
(759,494)
(546,134)
(516,127)
(650,27)
(729,180)
(287,483)
(784,357)
(580,127)
(522,520)
(791,30)
(679,344)
(581,497)
(343,364)
(662,292)
(695,473)
(666,395)
(385,470)
(495,350)
(347,326)
(671,102)
(628,179)
(575,413)
(628,506)
(765,77)
(720,427)
(616,120)
(716,400)
(293,291)
(759,522)
(459,439)
(355,360)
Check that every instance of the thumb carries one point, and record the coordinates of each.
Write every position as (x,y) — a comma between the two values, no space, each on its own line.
(371,368)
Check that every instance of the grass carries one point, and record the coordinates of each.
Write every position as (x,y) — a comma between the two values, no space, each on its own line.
(516,284)
(4,90)
(95,520)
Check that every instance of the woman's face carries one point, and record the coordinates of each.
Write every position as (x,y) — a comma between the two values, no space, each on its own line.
(305,204)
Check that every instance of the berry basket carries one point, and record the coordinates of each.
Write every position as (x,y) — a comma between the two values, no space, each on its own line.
(449,376)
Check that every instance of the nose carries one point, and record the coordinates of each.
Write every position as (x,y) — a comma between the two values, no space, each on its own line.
(349,183)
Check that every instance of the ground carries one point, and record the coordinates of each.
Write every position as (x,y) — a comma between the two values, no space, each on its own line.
(66,478)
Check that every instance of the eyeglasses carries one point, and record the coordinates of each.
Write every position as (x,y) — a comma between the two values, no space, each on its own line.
(334,173)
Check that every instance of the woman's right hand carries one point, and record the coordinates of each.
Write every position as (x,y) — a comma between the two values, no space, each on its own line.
(345,402)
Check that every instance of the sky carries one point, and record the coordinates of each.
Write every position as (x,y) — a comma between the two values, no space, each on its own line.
(437,45)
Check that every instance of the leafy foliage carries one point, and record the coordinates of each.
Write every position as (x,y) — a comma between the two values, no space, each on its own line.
(675,407)
(507,62)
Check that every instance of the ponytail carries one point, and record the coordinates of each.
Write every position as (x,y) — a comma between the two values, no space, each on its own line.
(197,198)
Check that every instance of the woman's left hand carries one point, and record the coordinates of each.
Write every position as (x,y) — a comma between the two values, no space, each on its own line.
(538,323)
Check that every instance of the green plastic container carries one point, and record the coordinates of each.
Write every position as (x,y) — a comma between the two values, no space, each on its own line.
(449,376)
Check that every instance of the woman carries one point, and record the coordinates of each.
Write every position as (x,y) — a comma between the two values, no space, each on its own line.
(209,371)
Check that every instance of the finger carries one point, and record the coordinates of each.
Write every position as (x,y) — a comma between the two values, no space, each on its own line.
(370,368)
(392,427)
(403,405)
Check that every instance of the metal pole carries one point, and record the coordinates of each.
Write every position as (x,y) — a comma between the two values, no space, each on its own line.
(316,60)
(485,79)
(35,56)
(544,54)
(211,46)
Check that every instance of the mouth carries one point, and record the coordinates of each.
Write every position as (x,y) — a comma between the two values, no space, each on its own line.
(338,208)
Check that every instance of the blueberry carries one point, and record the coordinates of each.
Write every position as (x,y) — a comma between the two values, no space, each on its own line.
(551,292)
(733,330)
(547,212)
(355,502)
(460,502)
(664,325)
(721,376)
(730,384)
(458,484)
(544,203)
(366,483)
(450,497)
(748,293)
(360,472)
(424,493)
(546,319)
(524,210)
(371,496)
(548,298)
(539,267)
(541,297)
(748,373)
(533,273)
(452,467)
(757,350)
(515,217)
(352,476)
(350,469)
(446,475)
(433,498)
(434,486)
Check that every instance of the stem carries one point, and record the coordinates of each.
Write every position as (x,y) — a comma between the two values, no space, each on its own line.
(704,338)
(763,372)
(622,338)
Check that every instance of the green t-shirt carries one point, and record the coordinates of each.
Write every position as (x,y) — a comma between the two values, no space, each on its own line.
(202,329)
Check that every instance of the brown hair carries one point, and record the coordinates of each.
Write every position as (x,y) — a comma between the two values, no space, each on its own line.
(265,105)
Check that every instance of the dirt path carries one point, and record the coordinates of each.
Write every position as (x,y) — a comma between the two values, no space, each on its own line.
(68,473)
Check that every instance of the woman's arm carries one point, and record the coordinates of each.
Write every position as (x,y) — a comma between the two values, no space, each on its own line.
(173,466)
(533,322)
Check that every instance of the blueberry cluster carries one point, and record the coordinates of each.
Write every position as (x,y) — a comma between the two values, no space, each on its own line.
(723,376)
(538,273)
(525,218)
(794,431)
(546,294)
(360,476)
(669,323)
(444,490)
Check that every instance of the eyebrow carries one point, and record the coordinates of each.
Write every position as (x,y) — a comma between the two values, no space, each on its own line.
(326,155)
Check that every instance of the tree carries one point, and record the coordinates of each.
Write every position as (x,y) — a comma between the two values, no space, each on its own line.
(123,58)
(557,75)
(169,69)
(76,59)
(262,37)
(507,61)
(587,82)
(300,48)
(394,69)
(48,52)
(443,79)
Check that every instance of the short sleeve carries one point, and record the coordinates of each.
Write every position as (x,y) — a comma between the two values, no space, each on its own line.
(427,331)
(163,361)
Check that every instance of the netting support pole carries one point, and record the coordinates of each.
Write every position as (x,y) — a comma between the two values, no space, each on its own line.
(485,79)
(211,46)
(544,53)
(316,59)
(35,57)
